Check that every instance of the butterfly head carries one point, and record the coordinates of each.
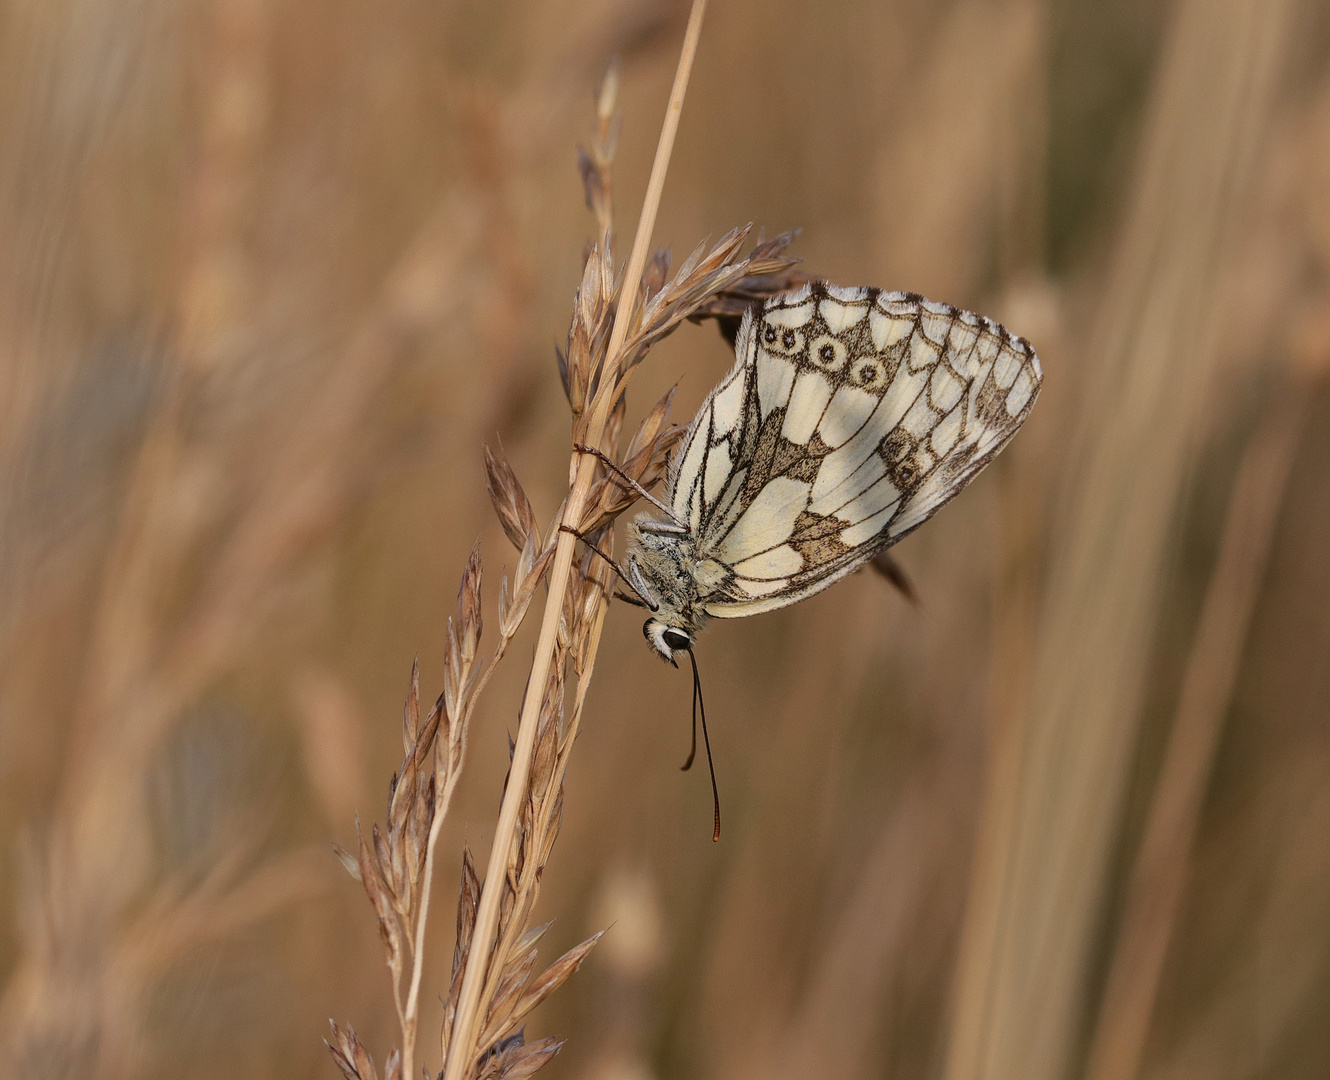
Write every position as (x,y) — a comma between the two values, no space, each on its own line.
(667,641)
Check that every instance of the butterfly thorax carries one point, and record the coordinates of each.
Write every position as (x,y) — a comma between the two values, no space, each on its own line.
(676,578)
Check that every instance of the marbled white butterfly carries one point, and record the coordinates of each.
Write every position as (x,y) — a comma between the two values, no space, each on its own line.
(849,418)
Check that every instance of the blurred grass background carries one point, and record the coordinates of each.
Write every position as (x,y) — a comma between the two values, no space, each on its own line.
(271,273)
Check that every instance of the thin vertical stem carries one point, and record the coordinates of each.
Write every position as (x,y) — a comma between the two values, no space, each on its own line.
(461,1049)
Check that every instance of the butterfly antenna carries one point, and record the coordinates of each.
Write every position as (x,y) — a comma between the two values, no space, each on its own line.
(700,706)
(697,689)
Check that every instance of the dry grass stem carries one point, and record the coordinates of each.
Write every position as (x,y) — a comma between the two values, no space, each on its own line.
(614,323)
(462,1036)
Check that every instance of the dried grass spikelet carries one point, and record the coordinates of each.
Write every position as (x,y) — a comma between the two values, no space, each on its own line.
(395,865)
(709,284)
(494,983)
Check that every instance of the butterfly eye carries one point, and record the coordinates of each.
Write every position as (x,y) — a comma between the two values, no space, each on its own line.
(674,640)
(769,335)
(787,339)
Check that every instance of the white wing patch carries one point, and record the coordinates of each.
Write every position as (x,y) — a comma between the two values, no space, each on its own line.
(767,523)
(840,316)
(845,415)
(779,562)
(728,408)
(775,376)
(719,467)
(1021,390)
(808,401)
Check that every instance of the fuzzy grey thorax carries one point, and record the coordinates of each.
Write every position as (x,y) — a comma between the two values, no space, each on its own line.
(665,559)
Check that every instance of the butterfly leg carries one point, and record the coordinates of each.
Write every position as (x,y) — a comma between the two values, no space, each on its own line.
(632,578)
(663,528)
(609,463)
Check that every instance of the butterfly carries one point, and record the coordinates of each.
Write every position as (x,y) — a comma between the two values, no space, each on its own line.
(850,417)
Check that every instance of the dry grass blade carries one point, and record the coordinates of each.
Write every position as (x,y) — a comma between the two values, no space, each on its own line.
(590,326)
(1160,873)
(769,272)
(383,901)
(262,308)
(463,640)
(597,165)
(1021,986)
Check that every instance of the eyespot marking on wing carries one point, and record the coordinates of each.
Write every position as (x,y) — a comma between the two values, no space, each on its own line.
(827,353)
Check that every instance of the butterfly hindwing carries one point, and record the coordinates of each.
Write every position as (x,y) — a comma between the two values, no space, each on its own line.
(849,418)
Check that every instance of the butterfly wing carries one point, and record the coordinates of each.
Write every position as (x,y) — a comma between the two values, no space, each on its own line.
(704,466)
(849,418)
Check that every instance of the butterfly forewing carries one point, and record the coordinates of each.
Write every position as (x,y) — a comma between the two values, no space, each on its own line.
(850,417)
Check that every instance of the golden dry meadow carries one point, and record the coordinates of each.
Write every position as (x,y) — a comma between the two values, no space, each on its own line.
(281,290)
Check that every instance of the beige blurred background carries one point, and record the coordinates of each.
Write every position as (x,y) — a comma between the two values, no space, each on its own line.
(271,273)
